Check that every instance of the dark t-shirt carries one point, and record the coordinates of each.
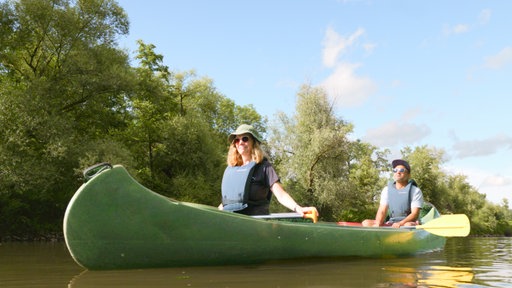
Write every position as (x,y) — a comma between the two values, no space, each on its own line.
(263,178)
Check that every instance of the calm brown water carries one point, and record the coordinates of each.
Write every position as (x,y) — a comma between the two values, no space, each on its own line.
(465,262)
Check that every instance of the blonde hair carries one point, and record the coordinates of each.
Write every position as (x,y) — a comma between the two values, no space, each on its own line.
(235,158)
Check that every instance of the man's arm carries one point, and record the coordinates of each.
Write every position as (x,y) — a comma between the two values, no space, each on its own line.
(415,213)
(381,215)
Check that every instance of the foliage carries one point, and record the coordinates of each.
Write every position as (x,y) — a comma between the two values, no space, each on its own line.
(178,130)
(61,83)
(319,164)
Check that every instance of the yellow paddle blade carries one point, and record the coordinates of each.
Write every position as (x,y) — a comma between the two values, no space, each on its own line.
(455,225)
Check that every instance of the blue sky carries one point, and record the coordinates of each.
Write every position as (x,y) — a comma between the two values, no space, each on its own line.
(404,73)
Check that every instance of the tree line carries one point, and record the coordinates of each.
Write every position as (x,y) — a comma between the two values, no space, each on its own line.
(69,98)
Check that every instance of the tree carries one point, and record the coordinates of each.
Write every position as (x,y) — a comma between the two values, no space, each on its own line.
(63,83)
(317,161)
(178,130)
(151,107)
(366,175)
(460,197)
(426,171)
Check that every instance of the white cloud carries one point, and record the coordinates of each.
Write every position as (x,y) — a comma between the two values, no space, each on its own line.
(497,194)
(346,88)
(485,16)
(494,186)
(503,58)
(399,132)
(396,83)
(335,45)
(496,180)
(396,133)
(343,85)
(287,83)
(484,147)
(460,28)
(456,29)
(369,47)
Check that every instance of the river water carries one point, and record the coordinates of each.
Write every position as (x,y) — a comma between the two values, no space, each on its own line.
(465,262)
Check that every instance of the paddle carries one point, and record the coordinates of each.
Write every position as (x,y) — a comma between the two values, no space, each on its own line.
(451,225)
(313,215)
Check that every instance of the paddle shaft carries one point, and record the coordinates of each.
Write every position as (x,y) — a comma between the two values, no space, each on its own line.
(310,215)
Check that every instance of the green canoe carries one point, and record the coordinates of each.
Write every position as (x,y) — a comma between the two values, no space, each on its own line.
(113,222)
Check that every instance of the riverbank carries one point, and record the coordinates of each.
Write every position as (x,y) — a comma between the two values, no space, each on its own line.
(50,237)
(59,237)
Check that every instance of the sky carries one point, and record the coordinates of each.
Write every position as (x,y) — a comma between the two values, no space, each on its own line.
(404,73)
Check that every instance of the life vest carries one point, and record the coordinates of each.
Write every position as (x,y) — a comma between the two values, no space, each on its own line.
(399,201)
(236,184)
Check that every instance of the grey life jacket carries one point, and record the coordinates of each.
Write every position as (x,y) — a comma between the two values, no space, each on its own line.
(399,201)
(236,184)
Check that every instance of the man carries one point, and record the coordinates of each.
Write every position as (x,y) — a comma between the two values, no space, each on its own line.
(401,200)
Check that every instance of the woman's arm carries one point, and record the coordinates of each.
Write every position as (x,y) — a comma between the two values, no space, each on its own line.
(286,200)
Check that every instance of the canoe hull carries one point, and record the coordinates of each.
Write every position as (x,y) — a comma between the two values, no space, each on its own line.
(113,222)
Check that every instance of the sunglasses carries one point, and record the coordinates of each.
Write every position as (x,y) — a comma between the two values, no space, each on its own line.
(243,139)
(401,170)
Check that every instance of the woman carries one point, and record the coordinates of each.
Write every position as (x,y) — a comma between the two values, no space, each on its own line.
(259,182)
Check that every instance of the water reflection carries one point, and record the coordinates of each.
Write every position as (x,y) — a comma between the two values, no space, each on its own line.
(470,262)
(491,258)
(354,273)
(35,265)
(432,276)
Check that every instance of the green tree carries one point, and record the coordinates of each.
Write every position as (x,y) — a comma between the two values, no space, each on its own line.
(460,196)
(179,128)
(426,171)
(62,83)
(318,163)
(151,107)
(368,164)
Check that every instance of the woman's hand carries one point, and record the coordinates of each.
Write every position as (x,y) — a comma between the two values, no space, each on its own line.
(307,212)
